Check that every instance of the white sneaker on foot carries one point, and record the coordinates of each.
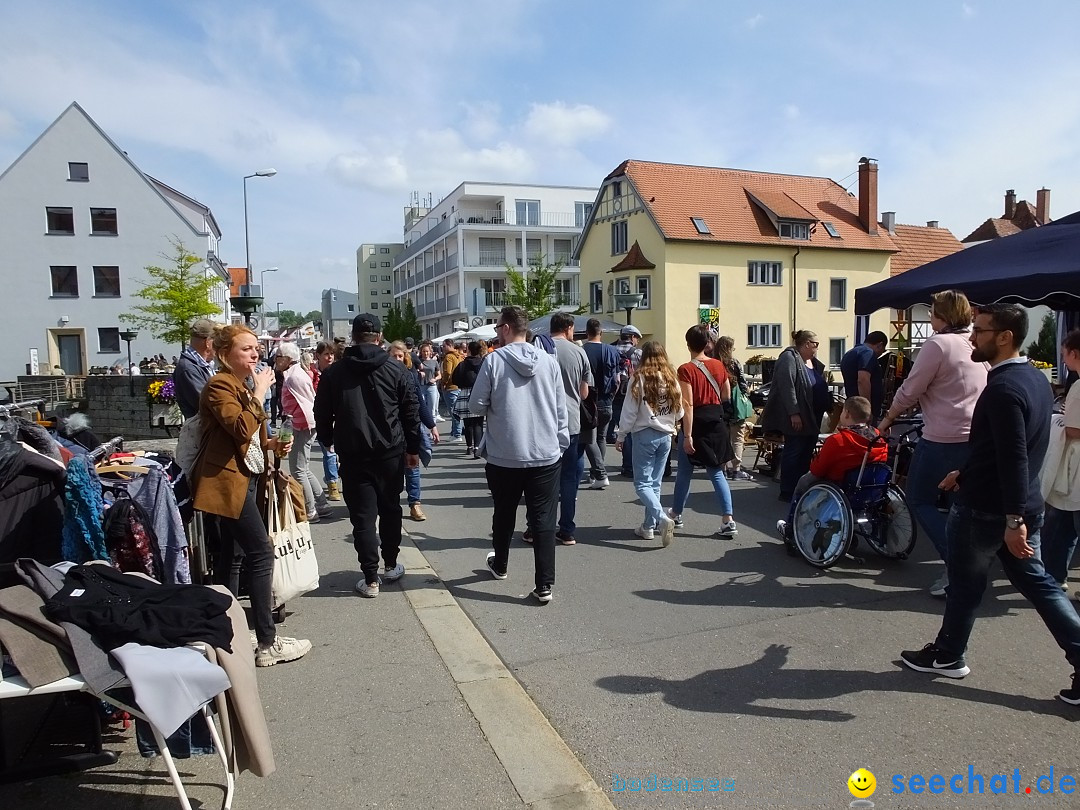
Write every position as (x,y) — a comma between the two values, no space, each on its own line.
(490,562)
(728,529)
(368,590)
(600,483)
(644,533)
(393,574)
(939,588)
(282,650)
(667,531)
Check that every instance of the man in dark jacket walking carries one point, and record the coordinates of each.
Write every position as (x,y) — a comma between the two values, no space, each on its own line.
(367,410)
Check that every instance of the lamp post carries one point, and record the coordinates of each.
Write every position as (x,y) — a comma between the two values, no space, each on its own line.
(247,252)
(127,336)
(263,294)
(629,302)
(279,303)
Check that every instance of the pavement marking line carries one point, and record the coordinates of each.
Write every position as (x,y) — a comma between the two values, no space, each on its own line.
(544,771)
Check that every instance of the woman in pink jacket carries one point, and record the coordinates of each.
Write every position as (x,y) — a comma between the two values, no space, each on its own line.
(297,403)
(946,383)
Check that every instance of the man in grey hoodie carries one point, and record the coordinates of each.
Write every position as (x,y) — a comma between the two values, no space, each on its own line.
(519,389)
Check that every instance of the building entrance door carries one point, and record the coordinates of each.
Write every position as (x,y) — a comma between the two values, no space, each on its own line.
(71,353)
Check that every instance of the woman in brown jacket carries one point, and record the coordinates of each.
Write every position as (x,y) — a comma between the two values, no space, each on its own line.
(225,477)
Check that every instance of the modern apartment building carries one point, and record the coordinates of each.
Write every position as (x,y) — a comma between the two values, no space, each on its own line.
(453,263)
(339,307)
(79,222)
(375,274)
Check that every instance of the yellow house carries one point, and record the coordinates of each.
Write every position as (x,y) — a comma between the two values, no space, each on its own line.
(754,254)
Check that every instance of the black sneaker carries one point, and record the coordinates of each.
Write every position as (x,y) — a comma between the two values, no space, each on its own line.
(490,562)
(542,594)
(931,659)
(1072,694)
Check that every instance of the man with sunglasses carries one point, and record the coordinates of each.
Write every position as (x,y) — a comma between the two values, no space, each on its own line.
(519,389)
(998,510)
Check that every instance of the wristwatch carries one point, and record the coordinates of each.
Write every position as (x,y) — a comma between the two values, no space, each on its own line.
(1014,522)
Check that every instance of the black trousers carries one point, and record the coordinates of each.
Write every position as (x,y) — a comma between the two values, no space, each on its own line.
(372,489)
(245,537)
(474,431)
(540,486)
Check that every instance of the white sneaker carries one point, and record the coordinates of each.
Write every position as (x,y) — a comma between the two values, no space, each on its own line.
(667,531)
(600,483)
(644,533)
(254,641)
(368,590)
(938,589)
(728,529)
(393,574)
(455,440)
(490,563)
(282,650)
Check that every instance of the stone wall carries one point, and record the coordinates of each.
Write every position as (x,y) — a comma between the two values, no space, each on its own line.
(114,411)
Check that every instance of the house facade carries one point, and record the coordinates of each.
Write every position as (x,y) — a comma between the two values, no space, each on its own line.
(339,307)
(79,223)
(453,262)
(755,255)
(375,275)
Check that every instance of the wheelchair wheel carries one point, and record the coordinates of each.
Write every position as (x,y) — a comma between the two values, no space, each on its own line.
(893,530)
(823,525)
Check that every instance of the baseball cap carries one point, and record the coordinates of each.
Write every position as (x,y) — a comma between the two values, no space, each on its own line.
(629,329)
(366,322)
(290,350)
(409,342)
(203,328)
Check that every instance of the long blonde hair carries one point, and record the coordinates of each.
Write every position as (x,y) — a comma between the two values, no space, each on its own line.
(400,346)
(658,383)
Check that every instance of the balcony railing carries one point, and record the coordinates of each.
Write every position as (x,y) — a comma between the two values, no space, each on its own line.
(545,219)
(492,258)
(497,299)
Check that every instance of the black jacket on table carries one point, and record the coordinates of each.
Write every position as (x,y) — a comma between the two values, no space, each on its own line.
(1010,430)
(367,407)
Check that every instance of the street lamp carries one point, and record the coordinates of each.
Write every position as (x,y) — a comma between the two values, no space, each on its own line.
(263,294)
(127,336)
(629,302)
(279,303)
(247,253)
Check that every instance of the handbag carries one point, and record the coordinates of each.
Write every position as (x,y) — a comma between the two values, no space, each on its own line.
(712,439)
(296,569)
(587,411)
(740,404)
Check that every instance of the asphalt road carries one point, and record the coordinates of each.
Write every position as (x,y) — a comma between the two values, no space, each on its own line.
(728,660)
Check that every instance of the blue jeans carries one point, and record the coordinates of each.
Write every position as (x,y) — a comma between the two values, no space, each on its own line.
(616,415)
(449,398)
(931,462)
(682,482)
(652,452)
(974,540)
(1059,541)
(329,463)
(573,467)
(412,484)
(795,461)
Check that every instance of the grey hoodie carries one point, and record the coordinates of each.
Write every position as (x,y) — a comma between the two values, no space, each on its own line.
(519,389)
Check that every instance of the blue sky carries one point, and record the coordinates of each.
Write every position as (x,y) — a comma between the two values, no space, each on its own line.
(359,104)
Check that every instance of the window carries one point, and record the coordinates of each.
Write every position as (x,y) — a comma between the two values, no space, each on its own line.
(794,230)
(373,278)
(563,248)
(838,293)
(373,264)
(616,189)
(528,212)
(107,282)
(387,292)
(352,307)
(384,251)
(374,304)
(771,273)
(837,349)
(384,264)
(811,291)
(60,220)
(532,250)
(709,286)
(763,335)
(596,296)
(581,213)
(65,282)
(386,305)
(643,288)
(78,172)
(492,252)
(108,338)
(564,290)
(699,225)
(618,238)
(103,221)
(384,278)
(831,229)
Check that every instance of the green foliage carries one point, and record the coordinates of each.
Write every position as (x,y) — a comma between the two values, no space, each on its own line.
(176,296)
(315,316)
(289,319)
(399,324)
(535,290)
(1044,347)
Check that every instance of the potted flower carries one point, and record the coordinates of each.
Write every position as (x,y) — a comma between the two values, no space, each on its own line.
(161,399)
(1045,368)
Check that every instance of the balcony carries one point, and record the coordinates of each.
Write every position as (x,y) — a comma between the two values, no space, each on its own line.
(497,299)
(546,219)
(492,258)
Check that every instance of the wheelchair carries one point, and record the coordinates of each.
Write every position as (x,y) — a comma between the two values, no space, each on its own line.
(830,519)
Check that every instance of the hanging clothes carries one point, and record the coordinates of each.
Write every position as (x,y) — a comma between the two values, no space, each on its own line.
(83,538)
(154,494)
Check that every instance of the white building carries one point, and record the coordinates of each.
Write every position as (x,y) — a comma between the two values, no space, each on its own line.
(78,223)
(375,274)
(453,264)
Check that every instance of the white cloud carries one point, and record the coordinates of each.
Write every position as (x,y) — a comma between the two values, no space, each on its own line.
(968,9)
(8,125)
(379,173)
(564,125)
(755,21)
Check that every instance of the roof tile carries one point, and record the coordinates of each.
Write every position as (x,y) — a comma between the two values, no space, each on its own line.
(920,244)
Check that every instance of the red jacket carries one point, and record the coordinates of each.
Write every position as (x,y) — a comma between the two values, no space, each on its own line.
(844,450)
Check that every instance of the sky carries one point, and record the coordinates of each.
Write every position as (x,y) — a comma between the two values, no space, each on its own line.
(358,105)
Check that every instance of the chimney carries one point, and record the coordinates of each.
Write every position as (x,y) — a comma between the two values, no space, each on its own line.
(888,221)
(868,213)
(1042,205)
(932,223)
(1010,204)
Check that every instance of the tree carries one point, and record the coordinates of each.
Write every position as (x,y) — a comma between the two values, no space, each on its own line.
(176,296)
(400,324)
(536,290)
(1044,347)
(288,319)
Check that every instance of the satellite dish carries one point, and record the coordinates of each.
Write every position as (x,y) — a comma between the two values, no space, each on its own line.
(477,322)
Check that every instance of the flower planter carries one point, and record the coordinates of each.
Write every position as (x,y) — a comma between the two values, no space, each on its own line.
(1049,372)
(165,415)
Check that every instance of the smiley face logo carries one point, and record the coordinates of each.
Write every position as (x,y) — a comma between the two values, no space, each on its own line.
(862,784)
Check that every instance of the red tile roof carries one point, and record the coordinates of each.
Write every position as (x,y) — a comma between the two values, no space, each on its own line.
(675,193)
(920,244)
(993,228)
(780,204)
(633,260)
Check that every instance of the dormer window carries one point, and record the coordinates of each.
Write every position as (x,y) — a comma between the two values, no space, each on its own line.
(793,230)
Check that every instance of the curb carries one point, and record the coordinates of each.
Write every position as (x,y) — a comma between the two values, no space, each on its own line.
(544,771)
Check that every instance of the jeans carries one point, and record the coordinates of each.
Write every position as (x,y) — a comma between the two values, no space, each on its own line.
(1059,534)
(540,486)
(627,454)
(652,452)
(571,470)
(795,461)
(682,482)
(412,484)
(474,431)
(449,398)
(329,463)
(372,489)
(432,394)
(598,447)
(300,467)
(931,462)
(616,415)
(974,540)
(247,534)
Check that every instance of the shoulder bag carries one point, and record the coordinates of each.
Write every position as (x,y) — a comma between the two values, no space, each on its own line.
(712,441)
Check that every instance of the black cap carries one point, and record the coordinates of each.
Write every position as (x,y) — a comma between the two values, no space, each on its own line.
(366,322)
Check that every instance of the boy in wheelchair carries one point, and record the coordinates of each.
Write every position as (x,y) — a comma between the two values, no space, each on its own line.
(841,453)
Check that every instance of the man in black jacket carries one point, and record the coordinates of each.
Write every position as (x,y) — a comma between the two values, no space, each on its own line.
(999,507)
(368,412)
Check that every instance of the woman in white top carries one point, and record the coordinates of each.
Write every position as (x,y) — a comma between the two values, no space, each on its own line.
(650,414)
(1061,485)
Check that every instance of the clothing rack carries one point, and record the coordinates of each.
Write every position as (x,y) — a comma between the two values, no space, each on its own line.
(21,406)
(101,451)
